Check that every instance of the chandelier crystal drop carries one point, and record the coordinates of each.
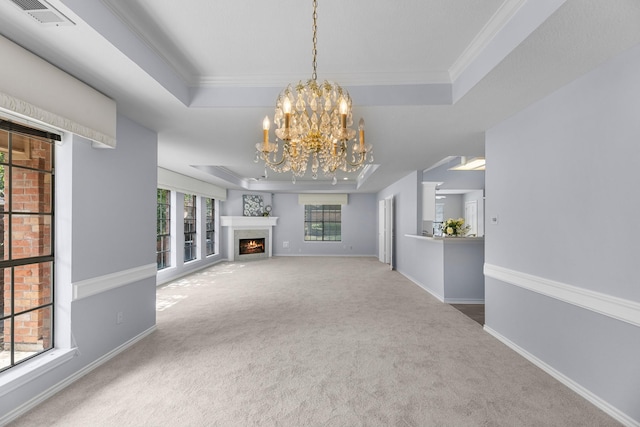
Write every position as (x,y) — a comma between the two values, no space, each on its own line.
(313,120)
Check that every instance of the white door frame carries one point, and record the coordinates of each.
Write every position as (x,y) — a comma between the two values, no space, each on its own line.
(385,231)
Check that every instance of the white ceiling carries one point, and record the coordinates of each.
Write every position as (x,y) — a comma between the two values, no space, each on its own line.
(429,76)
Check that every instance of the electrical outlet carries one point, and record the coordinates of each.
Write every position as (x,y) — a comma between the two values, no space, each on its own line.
(119,318)
(494,219)
(285,244)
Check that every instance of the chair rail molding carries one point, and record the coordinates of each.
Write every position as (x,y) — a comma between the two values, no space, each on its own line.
(96,285)
(608,305)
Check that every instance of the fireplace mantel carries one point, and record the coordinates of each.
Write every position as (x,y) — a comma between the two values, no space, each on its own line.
(248,221)
(242,225)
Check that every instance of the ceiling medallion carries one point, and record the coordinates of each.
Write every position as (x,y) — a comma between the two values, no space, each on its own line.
(313,120)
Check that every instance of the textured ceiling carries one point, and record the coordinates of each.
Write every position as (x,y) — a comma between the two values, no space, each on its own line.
(429,77)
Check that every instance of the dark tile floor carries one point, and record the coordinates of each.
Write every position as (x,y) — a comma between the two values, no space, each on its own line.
(473,311)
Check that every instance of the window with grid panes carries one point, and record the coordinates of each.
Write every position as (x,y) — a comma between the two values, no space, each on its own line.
(26,248)
(163,228)
(190,221)
(210,225)
(323,223)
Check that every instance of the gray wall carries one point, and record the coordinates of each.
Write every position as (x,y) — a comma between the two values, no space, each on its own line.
(105,219)
(111,214)
(552,170)
(453,206)
(463,278)
(233,205)
(358,225)
(358,228)
(407,194)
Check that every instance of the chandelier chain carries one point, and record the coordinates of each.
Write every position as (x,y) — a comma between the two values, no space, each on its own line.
(314,76)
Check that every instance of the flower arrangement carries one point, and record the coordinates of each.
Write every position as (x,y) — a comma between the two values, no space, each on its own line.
(454,227)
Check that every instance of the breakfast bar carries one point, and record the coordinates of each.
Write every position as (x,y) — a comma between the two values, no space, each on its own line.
(452,268)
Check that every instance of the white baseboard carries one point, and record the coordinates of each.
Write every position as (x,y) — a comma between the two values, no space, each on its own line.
(438,297)
(27,406)
(463,301)
(592,398)
(326,255)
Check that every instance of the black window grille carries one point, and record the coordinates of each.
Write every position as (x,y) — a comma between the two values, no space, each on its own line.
(27,243)
(190,232)
(323,223)
(211,226)
(163,228)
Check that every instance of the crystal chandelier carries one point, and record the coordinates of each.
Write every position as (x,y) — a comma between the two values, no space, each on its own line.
(313,120)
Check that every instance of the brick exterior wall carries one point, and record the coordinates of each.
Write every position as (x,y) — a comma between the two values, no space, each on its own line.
(32,232)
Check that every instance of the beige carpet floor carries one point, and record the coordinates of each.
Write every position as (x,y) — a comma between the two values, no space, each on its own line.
(305,341)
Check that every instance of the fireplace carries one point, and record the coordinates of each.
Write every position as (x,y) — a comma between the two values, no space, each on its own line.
(253,232)
(251,246)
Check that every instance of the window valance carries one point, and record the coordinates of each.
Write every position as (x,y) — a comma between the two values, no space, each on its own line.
(170,180)
(33,89)
(323,199)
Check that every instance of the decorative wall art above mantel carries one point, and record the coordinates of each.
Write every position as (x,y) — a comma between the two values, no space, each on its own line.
(252,205)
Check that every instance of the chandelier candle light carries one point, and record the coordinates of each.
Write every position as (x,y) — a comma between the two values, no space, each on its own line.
(313,121)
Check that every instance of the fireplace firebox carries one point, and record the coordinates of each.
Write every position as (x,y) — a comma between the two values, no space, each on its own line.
(251,246)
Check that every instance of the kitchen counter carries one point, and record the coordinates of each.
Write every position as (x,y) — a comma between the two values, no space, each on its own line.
(448,239)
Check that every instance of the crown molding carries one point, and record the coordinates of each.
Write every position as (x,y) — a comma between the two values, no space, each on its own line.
(369,78)
(497,22)
(124,12)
